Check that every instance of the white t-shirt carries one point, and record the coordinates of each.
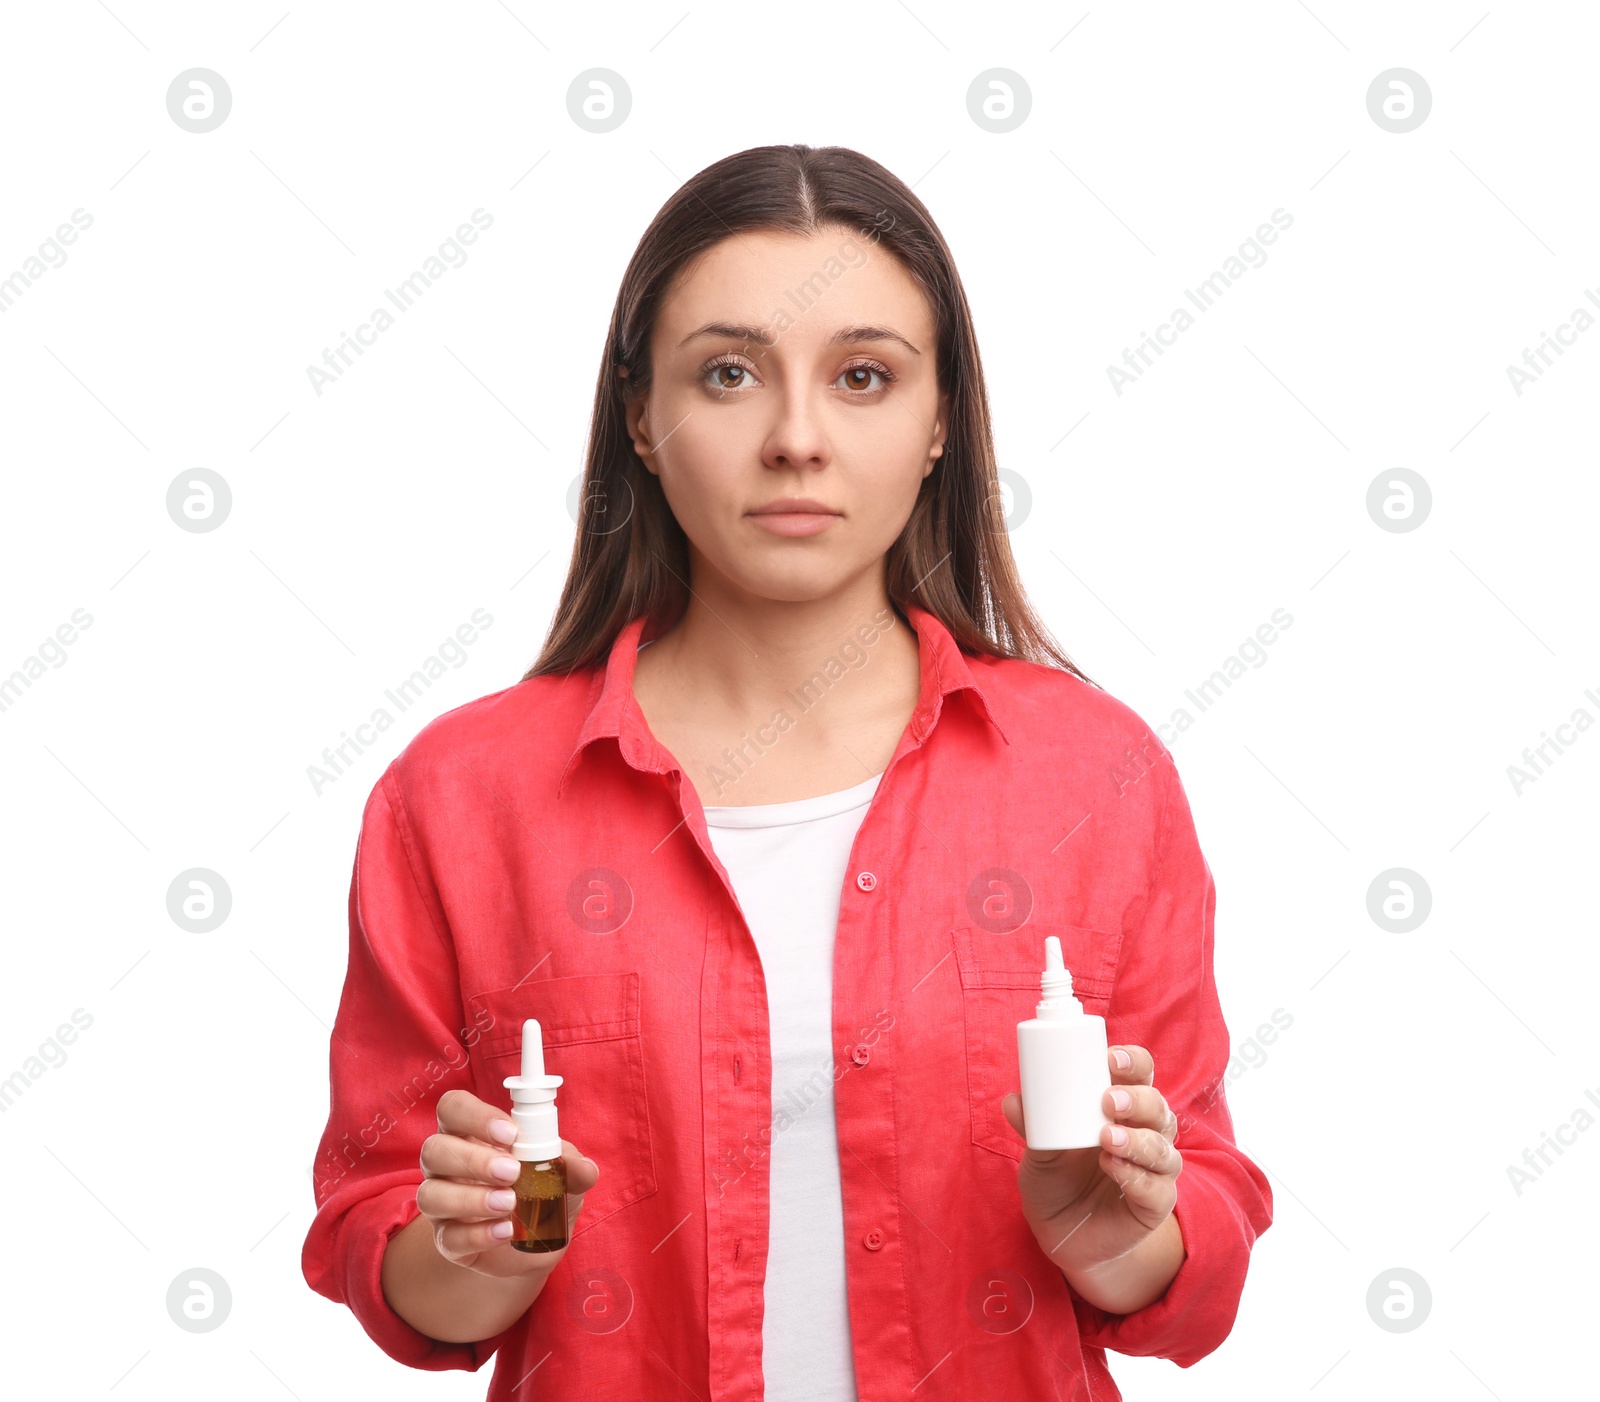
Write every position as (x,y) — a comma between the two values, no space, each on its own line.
(787,863)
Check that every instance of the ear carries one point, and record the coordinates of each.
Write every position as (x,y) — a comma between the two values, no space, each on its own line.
(940,427)
(634,409)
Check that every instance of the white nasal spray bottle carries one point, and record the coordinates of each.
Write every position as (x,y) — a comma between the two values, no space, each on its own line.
(1063,1058)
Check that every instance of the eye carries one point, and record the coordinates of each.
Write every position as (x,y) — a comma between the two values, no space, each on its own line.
(726,374)
(857,378)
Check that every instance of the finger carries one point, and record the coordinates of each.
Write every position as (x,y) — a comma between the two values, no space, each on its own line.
(1142,1106)
(1011,1108)
(1140,1070)
(444,1199)
(450,1156)
(1144,1148)
(1153,1193)
(582,1172)
(460,1239)
(462,1113)
(468,1218)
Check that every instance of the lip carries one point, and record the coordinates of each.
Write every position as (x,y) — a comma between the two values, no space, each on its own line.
(795,516)
(795,506)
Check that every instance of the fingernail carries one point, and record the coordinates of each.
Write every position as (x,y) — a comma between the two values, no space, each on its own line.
(502,1200)
(1119,1136)
(506,1168)
(503,1130)
(1123,1060)
(500,1230)
(1121,1099)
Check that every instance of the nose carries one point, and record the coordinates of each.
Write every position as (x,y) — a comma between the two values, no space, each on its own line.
(797,438)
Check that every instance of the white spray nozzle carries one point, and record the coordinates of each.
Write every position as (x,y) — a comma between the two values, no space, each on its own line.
(533,1100)
(1056,984)
(532,1050)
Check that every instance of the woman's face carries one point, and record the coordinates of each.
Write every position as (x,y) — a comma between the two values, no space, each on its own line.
(791,371)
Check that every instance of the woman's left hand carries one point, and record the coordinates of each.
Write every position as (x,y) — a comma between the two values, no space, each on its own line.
(1089,1206)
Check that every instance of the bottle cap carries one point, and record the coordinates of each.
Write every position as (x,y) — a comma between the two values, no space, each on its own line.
(1059,1001)
(533,1101)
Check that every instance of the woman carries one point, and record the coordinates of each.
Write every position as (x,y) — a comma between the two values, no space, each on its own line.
(770,839)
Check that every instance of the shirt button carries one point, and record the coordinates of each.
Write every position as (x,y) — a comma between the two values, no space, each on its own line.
(861,1055)
(866,881)
(873,1240)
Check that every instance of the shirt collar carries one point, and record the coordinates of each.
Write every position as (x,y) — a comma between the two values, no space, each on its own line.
(614,710)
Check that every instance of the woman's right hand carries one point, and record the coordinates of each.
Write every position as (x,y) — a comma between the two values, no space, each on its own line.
(466,1190)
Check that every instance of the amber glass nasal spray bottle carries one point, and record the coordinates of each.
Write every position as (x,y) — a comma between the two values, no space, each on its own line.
(1063,1057)
(539,1221)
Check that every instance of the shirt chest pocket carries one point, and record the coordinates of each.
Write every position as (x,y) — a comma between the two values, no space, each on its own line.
(999,989)
(592,1040)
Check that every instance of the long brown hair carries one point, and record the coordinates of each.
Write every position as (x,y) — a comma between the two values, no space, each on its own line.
(954,556)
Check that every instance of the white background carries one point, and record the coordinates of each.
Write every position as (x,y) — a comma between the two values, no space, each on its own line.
(1167,524)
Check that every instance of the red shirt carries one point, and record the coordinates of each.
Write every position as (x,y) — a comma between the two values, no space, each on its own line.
(538,853)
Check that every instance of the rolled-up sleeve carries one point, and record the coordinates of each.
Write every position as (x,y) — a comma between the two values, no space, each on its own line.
(1165,998)
(397,1045)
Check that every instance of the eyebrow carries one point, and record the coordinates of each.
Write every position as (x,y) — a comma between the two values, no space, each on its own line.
(845,335)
